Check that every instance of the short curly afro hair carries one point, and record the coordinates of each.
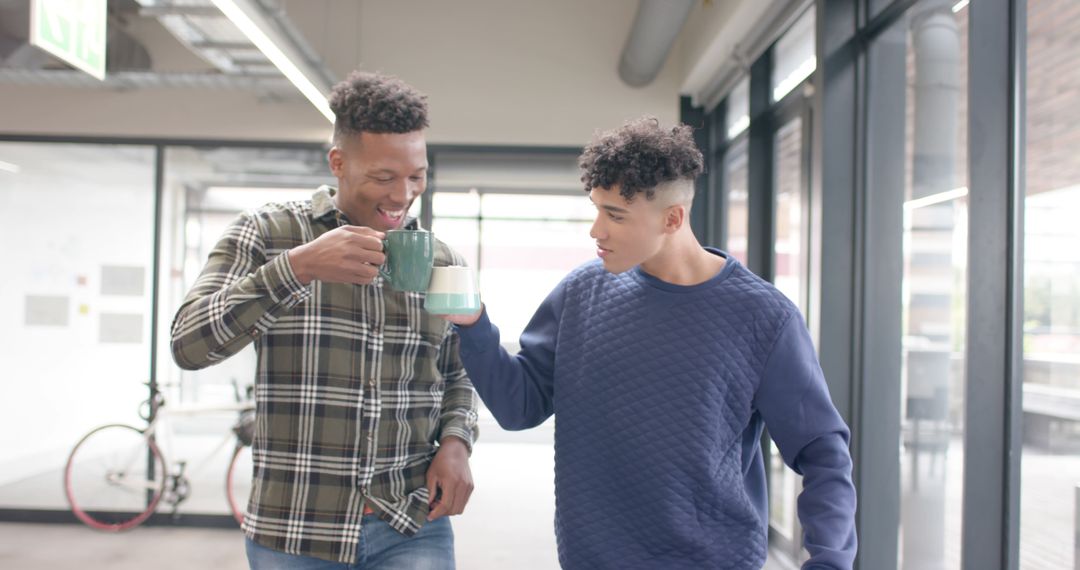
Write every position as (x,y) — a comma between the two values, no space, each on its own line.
(376,103)
(640,156)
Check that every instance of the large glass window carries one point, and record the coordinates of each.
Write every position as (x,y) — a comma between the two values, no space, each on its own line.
(75,338)
(794,56)
(790,260)
(918,169)
(734,205)
(790,247)
(933,285)
(737,111)
(1050,464)
(793,63)
(737,211)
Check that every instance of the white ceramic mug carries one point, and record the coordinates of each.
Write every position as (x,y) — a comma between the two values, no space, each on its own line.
(452,291)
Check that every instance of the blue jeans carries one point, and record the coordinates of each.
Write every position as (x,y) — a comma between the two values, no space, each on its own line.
(381,548)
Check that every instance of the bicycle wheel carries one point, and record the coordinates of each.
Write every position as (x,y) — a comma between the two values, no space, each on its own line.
(238,481)
(107,478)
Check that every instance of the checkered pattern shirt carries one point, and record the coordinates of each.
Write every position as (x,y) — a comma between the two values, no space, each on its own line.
(355,385)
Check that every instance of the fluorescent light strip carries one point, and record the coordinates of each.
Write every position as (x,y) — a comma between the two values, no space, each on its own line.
(275,55)
(738,126)
(9,167)
(794,78)
(936,198)
(960,5)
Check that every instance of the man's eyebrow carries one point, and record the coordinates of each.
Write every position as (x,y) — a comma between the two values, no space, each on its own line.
(611,208)
(392,171)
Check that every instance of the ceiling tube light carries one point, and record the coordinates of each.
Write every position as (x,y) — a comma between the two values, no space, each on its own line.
(251,21)
(740,125)
(939,198)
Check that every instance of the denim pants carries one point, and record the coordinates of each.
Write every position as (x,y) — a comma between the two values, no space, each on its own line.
(381,548)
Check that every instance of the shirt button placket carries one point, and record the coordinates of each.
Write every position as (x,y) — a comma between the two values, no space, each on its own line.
(374,423)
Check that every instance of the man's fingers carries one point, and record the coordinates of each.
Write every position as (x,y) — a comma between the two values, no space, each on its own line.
(432,485)
(364,274)
(459,499)
(440,510)
(363,231)
(442,505)
(466,495)
(366,242)
(365,256)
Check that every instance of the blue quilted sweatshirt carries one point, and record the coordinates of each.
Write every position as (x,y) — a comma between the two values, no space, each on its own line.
(661,392)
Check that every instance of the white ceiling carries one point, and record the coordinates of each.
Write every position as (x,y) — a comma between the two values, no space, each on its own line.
(496,72)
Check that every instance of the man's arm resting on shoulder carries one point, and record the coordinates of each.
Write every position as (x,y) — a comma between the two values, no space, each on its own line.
(793,399)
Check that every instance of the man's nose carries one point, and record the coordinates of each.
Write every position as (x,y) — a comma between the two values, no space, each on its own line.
(596,231)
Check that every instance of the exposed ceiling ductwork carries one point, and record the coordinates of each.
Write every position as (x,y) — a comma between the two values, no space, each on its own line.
(123,52)
(125,80)
(233,62)
(652,35)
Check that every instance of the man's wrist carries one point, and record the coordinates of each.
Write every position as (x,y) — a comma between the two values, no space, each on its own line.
(452,442)
(475,317)
(299,267)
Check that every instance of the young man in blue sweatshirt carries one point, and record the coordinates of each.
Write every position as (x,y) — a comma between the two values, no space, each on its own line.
(663,361)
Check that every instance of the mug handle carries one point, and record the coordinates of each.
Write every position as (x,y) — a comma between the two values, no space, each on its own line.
(384,269)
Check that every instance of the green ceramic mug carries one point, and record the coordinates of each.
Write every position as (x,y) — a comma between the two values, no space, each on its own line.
(409,256)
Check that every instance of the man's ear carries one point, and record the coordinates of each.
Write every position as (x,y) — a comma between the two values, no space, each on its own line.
(674,218)
(337,161)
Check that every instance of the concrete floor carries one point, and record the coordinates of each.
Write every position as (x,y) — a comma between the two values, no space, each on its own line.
(62,546)
(508,522)
(514,486)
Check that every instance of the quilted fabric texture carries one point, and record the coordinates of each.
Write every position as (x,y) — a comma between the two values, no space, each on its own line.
(657,462)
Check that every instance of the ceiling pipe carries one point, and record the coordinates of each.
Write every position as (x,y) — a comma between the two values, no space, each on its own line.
(656,26)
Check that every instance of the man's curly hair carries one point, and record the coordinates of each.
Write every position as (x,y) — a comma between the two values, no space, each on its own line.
(640,156)
(376,103)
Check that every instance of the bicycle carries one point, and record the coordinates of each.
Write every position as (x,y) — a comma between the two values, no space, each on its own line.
(117,475)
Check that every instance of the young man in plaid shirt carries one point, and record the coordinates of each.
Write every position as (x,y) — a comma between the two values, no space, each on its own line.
(366,417)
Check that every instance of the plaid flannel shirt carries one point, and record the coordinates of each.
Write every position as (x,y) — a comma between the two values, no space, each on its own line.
(355,385)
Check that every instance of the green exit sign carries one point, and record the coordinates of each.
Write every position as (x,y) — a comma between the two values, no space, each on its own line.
(73,30)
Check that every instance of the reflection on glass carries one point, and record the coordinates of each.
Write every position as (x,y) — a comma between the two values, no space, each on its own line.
(790,245)
(794,56)
(933,288)
(790,263)
(738,201)
(782,494)
(737,111)
(1050,464)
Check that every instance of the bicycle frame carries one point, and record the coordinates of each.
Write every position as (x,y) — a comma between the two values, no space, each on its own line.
(160,429)
(147,461)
